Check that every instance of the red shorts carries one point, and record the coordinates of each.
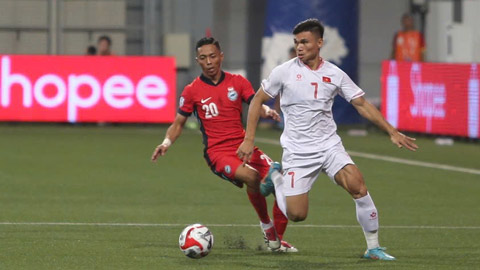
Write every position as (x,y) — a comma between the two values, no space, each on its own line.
(225,164)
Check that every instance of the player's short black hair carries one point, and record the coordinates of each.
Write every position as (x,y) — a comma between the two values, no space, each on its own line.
(106,38)
(206,41)
(310,25)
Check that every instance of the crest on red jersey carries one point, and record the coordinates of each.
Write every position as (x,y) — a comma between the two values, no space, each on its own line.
(228,169)
(232,94)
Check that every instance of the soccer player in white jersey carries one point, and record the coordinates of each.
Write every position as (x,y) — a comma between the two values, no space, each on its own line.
(307,86)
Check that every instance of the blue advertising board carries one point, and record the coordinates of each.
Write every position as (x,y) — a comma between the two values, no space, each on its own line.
(340,19)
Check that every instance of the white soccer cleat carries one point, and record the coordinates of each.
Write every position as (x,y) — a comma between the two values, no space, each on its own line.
(271,238)
(285,247)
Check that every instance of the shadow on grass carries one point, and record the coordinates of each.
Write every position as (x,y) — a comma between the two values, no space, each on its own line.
(254,259)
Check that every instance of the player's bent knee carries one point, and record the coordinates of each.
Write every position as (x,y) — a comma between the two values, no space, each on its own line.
(297,207)
(249,177)
(297,218)
(253,180)
(253,185)
(297,215)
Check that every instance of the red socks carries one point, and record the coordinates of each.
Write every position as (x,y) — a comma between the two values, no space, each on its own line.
(280,221)
(260,205)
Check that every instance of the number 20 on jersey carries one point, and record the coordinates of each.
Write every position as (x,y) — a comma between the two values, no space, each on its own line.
(210,109)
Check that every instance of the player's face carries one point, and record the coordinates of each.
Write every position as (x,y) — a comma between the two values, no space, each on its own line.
(210,58)
(307,45)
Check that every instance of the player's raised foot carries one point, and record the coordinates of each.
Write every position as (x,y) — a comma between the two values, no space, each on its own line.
(285,247)
(378,254)
(271,238)
(267,187)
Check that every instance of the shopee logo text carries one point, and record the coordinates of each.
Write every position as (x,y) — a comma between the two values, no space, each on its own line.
(118,91)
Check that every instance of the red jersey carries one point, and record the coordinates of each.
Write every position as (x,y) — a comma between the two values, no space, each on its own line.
(218,107)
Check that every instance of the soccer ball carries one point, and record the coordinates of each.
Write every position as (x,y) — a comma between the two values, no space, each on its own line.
(196,241)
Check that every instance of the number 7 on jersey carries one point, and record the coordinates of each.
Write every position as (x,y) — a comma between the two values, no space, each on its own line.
(316,89)
(293,179)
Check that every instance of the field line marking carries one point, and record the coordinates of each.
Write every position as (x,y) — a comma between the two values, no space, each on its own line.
(108,224)
(394,159)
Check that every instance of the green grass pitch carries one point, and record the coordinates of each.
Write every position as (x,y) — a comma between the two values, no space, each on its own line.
(87,197)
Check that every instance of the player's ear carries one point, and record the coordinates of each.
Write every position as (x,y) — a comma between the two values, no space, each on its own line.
(320,42)
(221,56)
(196,57)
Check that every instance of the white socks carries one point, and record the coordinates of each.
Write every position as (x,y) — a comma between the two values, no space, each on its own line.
(266,226)
(372,239)
(277,179)
(367,216)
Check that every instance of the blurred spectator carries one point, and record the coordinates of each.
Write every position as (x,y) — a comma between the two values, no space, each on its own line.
(292,53)
(104,45)
(91,50)
(408,43)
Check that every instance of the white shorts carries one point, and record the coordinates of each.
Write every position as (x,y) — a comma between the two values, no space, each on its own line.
(299,180)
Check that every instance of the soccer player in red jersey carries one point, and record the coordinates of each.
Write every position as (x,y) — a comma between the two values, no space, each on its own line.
(215,98)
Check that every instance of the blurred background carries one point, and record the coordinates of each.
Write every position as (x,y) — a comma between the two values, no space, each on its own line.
(254,34)
(87,196)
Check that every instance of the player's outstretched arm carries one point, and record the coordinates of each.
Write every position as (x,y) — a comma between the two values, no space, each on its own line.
(256,108)
(367,110)
(173,132)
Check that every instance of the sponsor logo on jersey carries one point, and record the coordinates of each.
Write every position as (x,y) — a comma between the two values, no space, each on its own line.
(205,100)
(228,169)
(232,94)
(299,77)
(180,103)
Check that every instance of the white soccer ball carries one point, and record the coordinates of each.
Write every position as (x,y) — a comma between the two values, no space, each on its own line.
(196,241)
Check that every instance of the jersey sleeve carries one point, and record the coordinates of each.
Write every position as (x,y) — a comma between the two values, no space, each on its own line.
(185,104)
(348,89)
(247,91)
(274,83)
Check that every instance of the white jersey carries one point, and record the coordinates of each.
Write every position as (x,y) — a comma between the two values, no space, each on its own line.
(306,99)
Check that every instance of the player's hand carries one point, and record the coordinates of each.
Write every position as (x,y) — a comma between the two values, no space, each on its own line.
(160,150)
(269,113)
(245,151)
(401,141)
(274,115)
